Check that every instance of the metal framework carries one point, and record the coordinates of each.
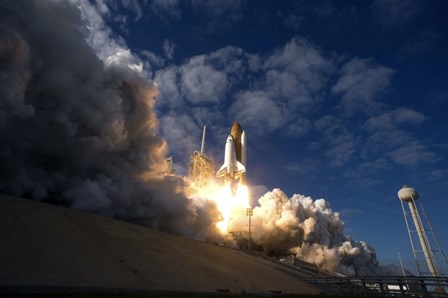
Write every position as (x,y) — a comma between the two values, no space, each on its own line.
(201,169)
(424,241)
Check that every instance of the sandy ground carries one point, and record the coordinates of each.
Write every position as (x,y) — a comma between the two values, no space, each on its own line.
(50,246)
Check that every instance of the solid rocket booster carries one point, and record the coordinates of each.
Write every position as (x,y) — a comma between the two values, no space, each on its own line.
(234,165)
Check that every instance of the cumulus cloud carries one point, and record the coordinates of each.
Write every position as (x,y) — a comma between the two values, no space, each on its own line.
(299,127)
(201,82)
(286,91)
(134,6)
(387,14)
(412,154)
(306,167)
(374,146)
(392,119)
(420,44)
(165,10)
(196,82)
(297,72)
(259,110)
(367,149)
(177,128)
(388,135)
(266,93)
(341,142)
(360,83)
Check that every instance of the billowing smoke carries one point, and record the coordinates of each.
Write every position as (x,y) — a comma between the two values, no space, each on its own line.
(79,133)
(313,232)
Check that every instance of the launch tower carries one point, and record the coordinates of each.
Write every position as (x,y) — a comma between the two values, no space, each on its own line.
(427,243)
(201,167)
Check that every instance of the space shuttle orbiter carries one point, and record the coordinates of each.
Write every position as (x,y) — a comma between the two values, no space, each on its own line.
(234,166)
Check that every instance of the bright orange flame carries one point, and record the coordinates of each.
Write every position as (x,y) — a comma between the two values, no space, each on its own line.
(231,203)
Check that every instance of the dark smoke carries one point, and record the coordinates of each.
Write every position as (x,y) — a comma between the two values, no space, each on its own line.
(77,132)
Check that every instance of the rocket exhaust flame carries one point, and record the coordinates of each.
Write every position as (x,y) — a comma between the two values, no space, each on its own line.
(298,225)
(231,203)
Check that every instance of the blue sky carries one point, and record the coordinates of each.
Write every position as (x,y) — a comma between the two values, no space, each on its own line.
(342,100)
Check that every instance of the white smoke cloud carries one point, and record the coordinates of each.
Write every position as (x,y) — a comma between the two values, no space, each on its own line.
(14,76)
(110,50)
(312,231)
(78,128)
(77,121)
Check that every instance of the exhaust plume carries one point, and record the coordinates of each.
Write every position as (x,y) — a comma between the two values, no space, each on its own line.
(78,132)
(78,129)
(314,233)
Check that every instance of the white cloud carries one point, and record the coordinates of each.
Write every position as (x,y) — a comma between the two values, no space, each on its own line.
(419,44)
(365,172)
(202,83)
(281,91)
(229,59)
(391,120)
(304,60)
(298,127)
(168,49)
(169,90)
(361,82)
(294,78)
(412,154)
(293,21)
(389,137)
(133,6)
(342,151)
(304,167)
(287,85)
(387,14)
(325,122)
(258,110)
(165,10)
(407,116)
(152,60)
(111,49)
(265,93)
(102,7)
(177,130)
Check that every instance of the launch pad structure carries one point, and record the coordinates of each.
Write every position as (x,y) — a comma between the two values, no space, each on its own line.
(201,167)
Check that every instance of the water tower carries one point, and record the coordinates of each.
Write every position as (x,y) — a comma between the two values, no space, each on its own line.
(427,243)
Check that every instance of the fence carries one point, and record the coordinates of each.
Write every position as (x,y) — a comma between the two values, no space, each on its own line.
(426,286)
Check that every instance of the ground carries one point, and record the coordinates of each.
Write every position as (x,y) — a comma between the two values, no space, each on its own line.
(48,247)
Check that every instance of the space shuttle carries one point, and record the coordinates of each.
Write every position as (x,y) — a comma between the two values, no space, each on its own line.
(234,166)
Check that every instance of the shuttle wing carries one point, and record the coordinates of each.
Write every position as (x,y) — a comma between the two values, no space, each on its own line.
(240,168)
(222,171)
